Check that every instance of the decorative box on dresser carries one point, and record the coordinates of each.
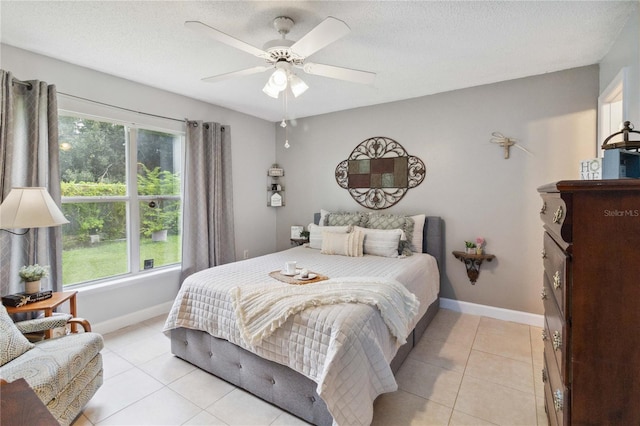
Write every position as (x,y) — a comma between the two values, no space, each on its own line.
(591,296)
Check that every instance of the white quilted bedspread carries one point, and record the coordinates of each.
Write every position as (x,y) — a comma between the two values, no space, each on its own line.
(345,348)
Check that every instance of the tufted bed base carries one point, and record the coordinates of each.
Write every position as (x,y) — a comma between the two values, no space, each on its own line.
(270,381)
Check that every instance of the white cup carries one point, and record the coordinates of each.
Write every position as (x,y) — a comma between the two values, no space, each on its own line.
(290,267)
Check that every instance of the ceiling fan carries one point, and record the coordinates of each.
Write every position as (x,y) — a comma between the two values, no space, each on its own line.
(284,55)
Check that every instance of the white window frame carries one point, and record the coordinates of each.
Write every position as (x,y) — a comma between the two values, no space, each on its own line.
(616,90)
(132,199)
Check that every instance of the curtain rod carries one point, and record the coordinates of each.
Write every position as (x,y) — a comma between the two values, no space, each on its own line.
(125,109)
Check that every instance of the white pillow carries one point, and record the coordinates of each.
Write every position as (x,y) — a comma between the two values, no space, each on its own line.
(380,242)
(359,237)
(323,216)
(350,244)
(315,233)
(418,229)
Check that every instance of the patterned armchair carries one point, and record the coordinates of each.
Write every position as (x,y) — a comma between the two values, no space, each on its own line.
(34,329)
(64,372)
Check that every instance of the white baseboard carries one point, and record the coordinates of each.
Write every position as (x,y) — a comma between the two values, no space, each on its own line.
(131,319)
(492,312)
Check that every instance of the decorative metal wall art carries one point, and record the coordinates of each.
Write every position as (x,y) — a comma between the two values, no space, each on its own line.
(379,172)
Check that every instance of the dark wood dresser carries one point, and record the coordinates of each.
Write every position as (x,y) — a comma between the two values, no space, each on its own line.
(591,296)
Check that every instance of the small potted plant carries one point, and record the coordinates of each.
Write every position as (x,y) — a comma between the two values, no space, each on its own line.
(305,235)
(470,246)
(31,275)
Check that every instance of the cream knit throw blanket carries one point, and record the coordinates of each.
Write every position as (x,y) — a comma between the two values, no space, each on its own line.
(260,310)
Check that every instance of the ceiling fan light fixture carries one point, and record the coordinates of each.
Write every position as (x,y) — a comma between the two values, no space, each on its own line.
(270,90)
(279,79)
(298,87)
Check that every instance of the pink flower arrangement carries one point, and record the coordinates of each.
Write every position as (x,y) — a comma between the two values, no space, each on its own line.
(479,242)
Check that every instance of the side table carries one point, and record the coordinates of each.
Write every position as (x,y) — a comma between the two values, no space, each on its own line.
(20,406)
(48,306)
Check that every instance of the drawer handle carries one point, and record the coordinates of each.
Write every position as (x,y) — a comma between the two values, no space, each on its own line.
(543,209)
(544,335)
(558,400)
(543,293)
(544,375)
(557,217)
(557,282)
(544,254)
(557,340)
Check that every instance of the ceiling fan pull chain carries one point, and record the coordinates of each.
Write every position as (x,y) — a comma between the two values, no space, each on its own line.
(284,124)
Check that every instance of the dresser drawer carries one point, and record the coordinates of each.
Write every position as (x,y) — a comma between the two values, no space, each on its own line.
(555,268)
(556,338)
(556,395)
(554,215)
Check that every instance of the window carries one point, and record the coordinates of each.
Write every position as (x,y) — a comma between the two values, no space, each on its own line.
(121,192)
(611,108)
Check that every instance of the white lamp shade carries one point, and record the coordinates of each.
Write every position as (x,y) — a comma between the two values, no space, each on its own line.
(298,87)
(30,208)
(270,90)
(279,79)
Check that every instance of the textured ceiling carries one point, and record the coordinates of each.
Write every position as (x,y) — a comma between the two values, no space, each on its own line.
(416,48)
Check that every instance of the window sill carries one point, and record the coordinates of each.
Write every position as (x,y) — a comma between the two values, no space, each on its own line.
(124,281)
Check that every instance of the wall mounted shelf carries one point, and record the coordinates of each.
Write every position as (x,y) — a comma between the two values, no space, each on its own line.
(275,187)
(472,262)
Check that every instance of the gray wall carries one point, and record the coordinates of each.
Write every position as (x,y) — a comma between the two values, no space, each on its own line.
(468,182)
(254,222)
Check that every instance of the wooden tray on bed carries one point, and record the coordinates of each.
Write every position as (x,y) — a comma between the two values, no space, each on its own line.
(291,280)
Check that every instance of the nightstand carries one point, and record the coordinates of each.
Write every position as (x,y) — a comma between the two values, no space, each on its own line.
(48,306)
(298,241)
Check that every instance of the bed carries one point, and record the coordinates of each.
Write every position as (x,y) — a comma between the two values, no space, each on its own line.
(304,365)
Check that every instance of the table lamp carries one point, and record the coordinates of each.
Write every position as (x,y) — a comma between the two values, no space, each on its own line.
(29,208)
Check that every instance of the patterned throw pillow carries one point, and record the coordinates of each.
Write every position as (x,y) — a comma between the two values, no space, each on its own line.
(381,242)
(392,221)
(344,219)
(12,342)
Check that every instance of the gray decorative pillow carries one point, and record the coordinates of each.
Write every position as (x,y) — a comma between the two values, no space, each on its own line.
(392,221)
(12,342)
(344,219)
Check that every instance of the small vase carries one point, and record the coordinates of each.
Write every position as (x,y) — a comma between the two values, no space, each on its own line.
(478,250)
(31,287)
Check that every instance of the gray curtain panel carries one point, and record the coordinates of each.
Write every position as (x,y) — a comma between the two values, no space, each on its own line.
(29,157)
(207,226)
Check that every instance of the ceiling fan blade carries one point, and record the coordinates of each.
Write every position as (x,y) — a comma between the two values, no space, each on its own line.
(356,76)
(325,33)
(208,31)
(226,76)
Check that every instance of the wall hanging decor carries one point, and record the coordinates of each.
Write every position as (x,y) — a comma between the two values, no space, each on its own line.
(379,172)
(506,143)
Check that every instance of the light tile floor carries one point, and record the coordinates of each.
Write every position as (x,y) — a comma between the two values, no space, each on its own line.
(466,370)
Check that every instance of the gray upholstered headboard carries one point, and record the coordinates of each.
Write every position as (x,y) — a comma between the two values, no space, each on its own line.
(432,238)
